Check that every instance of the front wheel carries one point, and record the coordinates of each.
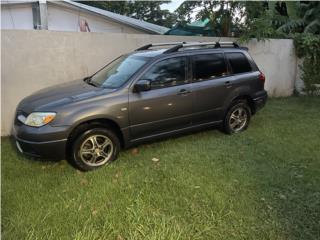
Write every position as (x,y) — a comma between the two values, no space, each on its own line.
(238,117)
(95,148)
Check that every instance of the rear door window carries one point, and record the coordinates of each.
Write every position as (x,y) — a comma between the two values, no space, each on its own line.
(238,63)
(208,67)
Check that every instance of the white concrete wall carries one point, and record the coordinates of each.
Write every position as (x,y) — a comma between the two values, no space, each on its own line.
(32,60)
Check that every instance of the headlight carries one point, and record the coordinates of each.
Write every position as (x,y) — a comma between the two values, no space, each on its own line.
(38,119)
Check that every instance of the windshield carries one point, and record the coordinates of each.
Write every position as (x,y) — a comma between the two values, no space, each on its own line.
(118,72)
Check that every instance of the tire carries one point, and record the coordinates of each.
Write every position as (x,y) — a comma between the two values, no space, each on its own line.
(94,148)
(237,118)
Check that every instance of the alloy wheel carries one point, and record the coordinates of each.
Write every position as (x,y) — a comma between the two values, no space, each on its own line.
(238,119)
(96,150)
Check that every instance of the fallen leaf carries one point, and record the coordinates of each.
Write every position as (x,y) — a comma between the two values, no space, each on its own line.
(79,172)
(282,196)
(155,159)
(135,151)
(119,237)
(94,212)
(43,167)
(83,182)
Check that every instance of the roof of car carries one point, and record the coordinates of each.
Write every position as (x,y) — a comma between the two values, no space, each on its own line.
(148,53)
(151,53)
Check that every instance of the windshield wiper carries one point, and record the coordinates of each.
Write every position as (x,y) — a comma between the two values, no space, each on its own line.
(88,80)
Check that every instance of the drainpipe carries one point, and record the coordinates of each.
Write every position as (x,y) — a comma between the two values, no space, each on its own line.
(40,15)
(43,14)
(36,16)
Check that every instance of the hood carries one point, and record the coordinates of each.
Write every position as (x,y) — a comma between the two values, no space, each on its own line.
(59,95)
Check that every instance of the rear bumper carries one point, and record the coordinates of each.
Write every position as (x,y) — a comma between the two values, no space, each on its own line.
(32,142)
(260,100)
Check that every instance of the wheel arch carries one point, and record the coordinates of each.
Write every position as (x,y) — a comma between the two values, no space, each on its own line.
(249,100)
(85,125)
(240,93)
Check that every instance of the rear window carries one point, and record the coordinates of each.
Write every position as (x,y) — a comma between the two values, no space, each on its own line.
(206,67)
(238,62)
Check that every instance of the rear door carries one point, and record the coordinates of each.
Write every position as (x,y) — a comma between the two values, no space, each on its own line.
(168,105)
(245,72)
(211,84)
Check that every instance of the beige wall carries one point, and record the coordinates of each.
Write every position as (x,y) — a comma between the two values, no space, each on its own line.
(32,60)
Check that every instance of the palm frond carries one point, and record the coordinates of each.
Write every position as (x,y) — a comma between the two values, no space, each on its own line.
(313,27)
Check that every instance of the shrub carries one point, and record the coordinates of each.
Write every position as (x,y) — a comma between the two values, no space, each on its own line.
(308,47)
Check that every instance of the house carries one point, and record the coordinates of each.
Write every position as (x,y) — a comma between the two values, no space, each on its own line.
(196,28)
(70,16)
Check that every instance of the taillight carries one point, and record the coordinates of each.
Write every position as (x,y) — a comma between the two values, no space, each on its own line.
(262,77)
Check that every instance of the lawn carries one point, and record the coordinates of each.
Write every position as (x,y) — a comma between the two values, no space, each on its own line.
(261,184)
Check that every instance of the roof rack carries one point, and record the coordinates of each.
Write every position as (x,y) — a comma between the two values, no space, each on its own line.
(145,47)
(178,45)
(214,44)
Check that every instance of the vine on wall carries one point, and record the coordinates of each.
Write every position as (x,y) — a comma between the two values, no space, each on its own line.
(308,47)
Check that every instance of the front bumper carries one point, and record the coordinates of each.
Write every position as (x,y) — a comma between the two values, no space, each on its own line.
(43,142)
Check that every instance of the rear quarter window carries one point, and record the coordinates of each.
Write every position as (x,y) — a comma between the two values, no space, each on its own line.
(238,63)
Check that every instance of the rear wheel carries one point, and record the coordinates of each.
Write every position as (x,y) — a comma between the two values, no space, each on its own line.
(94,148)
(238,117)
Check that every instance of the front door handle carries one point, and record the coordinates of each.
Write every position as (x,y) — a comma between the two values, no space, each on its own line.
(184,92)
(228,84)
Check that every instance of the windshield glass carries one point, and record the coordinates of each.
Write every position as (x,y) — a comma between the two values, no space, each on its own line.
(118,72)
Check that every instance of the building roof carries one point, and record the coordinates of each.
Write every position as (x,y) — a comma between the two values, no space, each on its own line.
(132,22)
(135,23)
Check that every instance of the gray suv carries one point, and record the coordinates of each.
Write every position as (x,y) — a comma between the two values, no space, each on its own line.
(156,91)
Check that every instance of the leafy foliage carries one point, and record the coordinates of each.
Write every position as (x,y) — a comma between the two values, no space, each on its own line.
(148,11)
(303,17)
(308,48)
(224,15)
(261,28)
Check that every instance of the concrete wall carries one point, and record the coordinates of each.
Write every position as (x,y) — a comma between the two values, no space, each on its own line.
(32,60)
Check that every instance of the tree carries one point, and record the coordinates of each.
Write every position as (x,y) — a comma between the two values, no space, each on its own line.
(302,17)
(224,16)
(148,11)
(280,19)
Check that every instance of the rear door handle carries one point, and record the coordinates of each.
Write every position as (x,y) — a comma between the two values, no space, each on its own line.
(184,92)
(228,84)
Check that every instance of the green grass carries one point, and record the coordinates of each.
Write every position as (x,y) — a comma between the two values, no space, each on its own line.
(261,184)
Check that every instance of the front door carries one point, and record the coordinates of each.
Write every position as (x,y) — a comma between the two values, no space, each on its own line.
(167,106)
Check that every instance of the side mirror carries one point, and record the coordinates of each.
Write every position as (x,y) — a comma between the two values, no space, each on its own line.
(142,85)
